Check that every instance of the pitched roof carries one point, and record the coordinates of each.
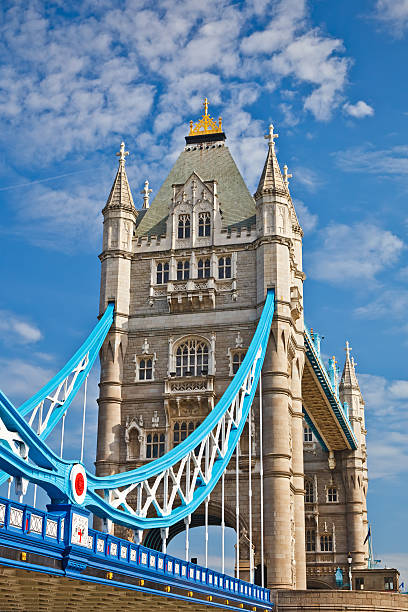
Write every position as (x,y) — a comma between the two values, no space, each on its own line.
(271,178)
(212,162)
(349,377)
(120,195)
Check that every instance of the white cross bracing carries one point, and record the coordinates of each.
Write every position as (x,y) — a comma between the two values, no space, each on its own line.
(177,484)
(57,397)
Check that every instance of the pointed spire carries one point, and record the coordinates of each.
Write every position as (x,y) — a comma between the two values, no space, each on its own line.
(146,194)
(120,195)
(271,180)
(349,377)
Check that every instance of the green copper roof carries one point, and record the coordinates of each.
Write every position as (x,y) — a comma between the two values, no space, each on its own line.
(213,163)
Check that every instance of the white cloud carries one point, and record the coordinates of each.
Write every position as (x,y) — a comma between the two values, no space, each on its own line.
(16,330)
(353,253)
(71,88)
(359,110)
(394,13)
(308,220)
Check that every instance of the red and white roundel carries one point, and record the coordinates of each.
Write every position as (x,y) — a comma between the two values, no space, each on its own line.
(78,483)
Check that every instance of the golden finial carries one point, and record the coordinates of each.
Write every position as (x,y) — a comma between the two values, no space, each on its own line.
(206,125)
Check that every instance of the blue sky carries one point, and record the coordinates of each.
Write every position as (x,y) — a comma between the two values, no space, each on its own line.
(77,78)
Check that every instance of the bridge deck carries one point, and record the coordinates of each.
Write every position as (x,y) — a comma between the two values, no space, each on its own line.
(322,406)
(47,549)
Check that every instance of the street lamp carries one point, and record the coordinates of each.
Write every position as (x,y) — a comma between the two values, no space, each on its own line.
(349,560)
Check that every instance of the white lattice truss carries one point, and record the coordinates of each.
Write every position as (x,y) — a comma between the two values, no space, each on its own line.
(57,397)
(175,485)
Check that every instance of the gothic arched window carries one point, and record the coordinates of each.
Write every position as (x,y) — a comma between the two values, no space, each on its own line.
(183,226)
(204,224)
(309,492)
(326,542)
(181,430)
(192,358)
(204,268)
(154,445)
(162,273)
(224,267)
(183,270)
(310,540)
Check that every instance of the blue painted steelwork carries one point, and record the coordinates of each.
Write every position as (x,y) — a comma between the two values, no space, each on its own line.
(323,378)
(49,536)
(53,474)
(90,350)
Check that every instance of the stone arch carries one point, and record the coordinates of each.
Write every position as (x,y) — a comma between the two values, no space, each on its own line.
(153,540)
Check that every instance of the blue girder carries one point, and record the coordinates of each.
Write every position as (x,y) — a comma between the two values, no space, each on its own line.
(53,474)
(90,347)
(331,395)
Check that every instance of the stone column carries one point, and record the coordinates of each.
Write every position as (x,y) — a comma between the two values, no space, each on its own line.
(298,471)
(277,472)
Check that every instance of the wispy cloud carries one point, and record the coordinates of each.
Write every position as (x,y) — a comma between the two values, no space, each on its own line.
(371,160)
(393,13)
(308,178)
(20,379)
(353,253)
(390,302)
(359,110)
(307,219)
(15,329)
(386,415)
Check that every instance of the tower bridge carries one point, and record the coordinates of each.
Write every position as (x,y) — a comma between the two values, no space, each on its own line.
(215,407)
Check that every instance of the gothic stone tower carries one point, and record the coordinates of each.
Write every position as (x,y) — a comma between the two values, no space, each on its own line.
(189,275)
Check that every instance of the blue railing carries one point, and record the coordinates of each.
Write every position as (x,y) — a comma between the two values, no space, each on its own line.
(49,534)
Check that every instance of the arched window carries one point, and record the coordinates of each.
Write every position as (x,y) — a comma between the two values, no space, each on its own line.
(309,492)
(224,267)
(326,542)
(192,358)
(162,274)
(154,445)
(181,430)
(204,268)
(146,369)
(183,270)
(183,226)
(310,540)
(204,224)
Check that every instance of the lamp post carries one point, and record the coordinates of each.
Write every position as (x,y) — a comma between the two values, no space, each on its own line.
(349,560)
